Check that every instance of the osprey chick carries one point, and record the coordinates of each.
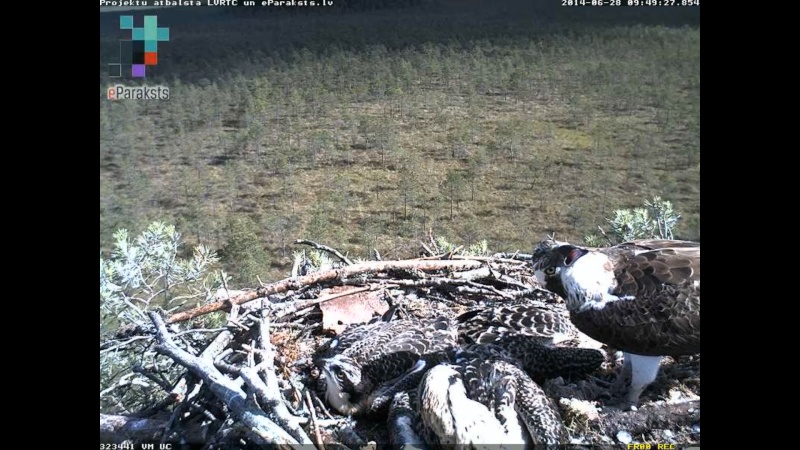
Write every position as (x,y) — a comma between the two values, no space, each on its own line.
(486,399)
(374,361)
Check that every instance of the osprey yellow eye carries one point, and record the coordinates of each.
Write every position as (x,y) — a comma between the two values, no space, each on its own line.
(550,271)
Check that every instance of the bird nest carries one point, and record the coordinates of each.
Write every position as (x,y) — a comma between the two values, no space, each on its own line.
(251,382)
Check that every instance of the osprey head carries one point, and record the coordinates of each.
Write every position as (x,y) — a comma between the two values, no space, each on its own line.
(582,277)
(343,382)
(550,257)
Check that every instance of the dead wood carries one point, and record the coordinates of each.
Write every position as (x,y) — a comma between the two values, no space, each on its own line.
(325,248)
(272,394)
(311,409)
(322,277)
(465,286)
(262,427)
(117,428)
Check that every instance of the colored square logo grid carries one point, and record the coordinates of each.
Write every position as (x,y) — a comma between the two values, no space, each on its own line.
(142,49)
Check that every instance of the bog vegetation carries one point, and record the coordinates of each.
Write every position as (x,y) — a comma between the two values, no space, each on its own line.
(368,128)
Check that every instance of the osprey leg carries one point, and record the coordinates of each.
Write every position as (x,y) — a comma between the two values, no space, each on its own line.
(644,371)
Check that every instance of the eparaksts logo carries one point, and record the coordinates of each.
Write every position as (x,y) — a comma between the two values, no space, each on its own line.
(120,92)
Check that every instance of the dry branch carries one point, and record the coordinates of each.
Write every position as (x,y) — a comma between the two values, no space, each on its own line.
(498,258)
(487,273)
(477,274)
(325,248)
(114,428)
(272,392)
(428,251)
(320,444)
(513,257)
(323,277)
(608,239)
(450,284)
(322,406)
(261,426)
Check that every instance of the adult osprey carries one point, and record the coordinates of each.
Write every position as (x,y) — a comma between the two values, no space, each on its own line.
(641,297)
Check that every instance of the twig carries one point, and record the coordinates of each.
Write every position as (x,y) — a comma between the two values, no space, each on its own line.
(297,394)
(161,405)
(491,289)
(497,258)
(199,330)
(320,444)
(450,284)
(610,242)
(487,273)
(121,383)
(291,325)
(225,285)
(480,290)
(296,265)
(123,344)
(325,248)
(181,391)
(510,282)
(322,406)
(217,346)
(515,257)
(223,366)
(205,412)
(238,324)
(164,384)
(451,253)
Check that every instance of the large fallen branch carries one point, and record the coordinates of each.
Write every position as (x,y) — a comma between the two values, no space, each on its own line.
(116,429)
(258,423)
(323,277)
